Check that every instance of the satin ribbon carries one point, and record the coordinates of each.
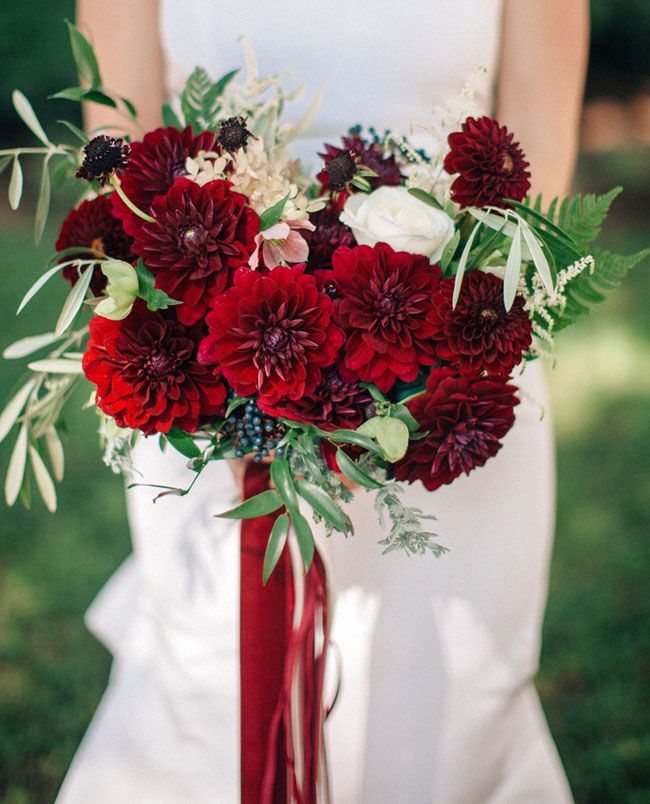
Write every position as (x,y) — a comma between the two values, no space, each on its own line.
(282,668)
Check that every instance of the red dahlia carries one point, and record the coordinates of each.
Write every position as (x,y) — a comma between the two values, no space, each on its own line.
(385,297)
(328,235)
(465,418)
(272,334)
(334,404)
(147,375)
(490,165)
(479,334)
(156,163)
(200,234)
(341,164)
(92,225)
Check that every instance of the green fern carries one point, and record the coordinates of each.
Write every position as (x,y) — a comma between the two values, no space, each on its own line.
(582,217)
(587,290)
(201,98)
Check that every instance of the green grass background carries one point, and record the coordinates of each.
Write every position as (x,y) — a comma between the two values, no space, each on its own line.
(595,670)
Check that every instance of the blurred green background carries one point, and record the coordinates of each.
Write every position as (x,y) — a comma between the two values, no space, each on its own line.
(595,670)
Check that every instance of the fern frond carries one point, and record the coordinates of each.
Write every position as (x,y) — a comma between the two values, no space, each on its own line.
(582,217)
(201,98)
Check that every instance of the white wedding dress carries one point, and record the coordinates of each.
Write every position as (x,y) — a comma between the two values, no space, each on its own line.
(438,656)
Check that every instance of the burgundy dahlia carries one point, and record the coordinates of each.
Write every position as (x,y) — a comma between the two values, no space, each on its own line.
(465,419)
(490,165)
(341,164)
(385,297)
(199,236)
(479,334)
(92,225)
(155,163)
(147,374)
(334,404)
(328,235)
(272,334)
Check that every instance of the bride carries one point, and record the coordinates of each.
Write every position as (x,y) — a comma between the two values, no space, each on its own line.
(438,657)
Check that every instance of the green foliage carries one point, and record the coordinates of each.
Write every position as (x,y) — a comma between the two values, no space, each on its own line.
(201,99)
(583,216)
(156,299)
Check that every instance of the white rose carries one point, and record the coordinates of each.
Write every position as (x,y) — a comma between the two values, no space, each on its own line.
(392,215)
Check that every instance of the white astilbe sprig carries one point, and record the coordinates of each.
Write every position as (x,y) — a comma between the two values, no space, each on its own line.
(538,302)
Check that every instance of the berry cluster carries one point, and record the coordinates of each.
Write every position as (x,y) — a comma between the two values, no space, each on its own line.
(254,431)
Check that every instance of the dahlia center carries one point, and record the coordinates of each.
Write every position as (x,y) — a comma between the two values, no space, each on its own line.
(387,305)
(97,248)
(507,162)
(193,238)
(158,364)
(276,339)
(488,315)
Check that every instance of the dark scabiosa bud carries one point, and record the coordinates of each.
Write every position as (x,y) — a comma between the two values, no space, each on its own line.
(232,134)
(103,156)
(341,170)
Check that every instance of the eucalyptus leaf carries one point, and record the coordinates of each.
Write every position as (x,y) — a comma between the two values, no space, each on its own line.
(462,264)
(74,301)
(43,480)
(37,286)
(323,504)
(539,258)
(513,270)
(16,470)
(404,414)
(4,161)
(56,366)
(356,438)
(43,206)
(14,408)
(266,502)
(28,116)
(29,345)
(15,184)
(275,546)
(356,475)
(56,453)
(305,538)
(79,134)
(84,56)
(449,251)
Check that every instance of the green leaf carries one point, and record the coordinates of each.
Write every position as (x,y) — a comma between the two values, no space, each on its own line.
(462,264)
(16,470)
(183,443)
(130,108)
(14,408)
(266,502)
(513,270)
(84,56)
(29,345)
(281,477)
(272,215)
(275,546)
(450,250)
(28,116)
(79,134)
(219,86)
(81,94)
(425,197)
(43,206)
(392,435)
(404,414)
(305,538)
(169,116)
(201,98)
(356,475)
(15,184)
(156,299)
(355,437)
(44,482)
(235,402)
(323,504)
(74,301)
(547,221)
(4,161)
(582,217)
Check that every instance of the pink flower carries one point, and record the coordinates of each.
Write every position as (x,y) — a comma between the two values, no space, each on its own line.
(281,243)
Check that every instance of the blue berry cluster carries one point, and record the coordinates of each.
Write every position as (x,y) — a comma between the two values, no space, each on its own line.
(254,431)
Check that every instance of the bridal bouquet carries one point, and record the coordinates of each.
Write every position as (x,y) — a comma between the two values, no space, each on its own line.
(364,323)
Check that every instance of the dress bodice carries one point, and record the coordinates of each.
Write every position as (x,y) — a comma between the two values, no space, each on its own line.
(379,63)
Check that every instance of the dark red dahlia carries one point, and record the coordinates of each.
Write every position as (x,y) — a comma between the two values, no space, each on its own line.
(334,404)
(156,162)
(200,234)
(385,297)
(92,225)
(341,164)
(328,235)
(465,419)
(147,375)
(272,334)
(479,334)
(490,165)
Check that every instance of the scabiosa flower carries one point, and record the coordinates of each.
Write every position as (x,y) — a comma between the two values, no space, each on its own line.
(147,375)
(328,235)
(232,134)
(465,419)
(335,404)
(341,164)
(479,334)
(272,334)
(155,163)
(92,225)
(200,234)
(490,165)
(103,156)
(385,297)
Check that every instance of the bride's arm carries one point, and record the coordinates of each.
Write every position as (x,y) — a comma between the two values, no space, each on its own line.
(127,42)
(541,82)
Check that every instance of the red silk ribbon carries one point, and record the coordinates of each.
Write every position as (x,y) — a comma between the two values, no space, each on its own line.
(282,668)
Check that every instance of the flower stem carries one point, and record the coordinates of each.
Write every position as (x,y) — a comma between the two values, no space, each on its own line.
(115,182)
